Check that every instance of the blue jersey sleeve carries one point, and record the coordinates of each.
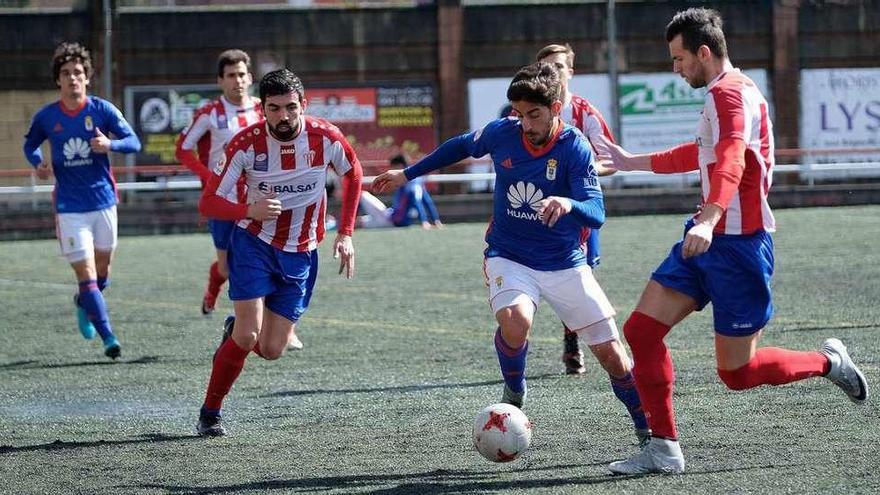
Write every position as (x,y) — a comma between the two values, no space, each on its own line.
(32,141)
(587,201)
(126,140)
(473,144)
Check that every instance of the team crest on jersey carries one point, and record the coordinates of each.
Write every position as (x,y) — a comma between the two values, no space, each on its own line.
(499,281)
(90,125)
(261,162)
(310,158)
(221,164)
(551,169)
(221,121)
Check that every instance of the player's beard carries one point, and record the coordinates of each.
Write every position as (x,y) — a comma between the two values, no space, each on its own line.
(284,131)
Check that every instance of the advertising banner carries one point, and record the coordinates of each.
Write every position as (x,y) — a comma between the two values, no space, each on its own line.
(661,110)
(840,109)
(159,113)
(382,121)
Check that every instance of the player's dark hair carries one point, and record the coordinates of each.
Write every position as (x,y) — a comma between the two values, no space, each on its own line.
(232,57)
(536,83)
(70,52)
(280,82)
(398,160)
(698,26)
(553,50)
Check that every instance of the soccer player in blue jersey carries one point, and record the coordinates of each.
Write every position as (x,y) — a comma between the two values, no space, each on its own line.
(78,127)
(547,195)
(411,200)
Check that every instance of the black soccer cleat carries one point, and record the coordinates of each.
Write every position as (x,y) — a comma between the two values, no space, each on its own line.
(572,355)
(210,424)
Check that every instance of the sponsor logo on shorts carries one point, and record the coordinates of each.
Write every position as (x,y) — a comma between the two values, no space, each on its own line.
(741,326)
(499,281)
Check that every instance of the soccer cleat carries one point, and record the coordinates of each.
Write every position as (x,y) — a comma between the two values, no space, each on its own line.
(209,424)
(86,327)
(513,398)
(112,349)
(572,355)
(228,326)
(295,344)
(657,456)
(209,303)
(844,373)
(643,436)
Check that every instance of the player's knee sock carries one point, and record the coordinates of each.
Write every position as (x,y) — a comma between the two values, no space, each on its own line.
(513,363)
(653,372)
(625,390)
(215,280)
(775,366)
(228,364)
(103,283)
(567,331)
(91,300)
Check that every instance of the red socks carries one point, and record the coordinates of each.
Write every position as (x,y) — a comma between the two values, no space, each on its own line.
(228,364)
(215,280)
(653,372)
(775,366)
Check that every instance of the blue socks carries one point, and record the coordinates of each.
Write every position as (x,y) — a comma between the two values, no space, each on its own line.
(625,390)
(91,300)
(513,363)
(103,282)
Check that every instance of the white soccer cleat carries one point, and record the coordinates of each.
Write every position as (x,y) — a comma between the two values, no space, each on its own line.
(844,373)
(295,344)
(657,456)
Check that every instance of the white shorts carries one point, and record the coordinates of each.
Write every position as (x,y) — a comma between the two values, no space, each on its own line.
(81,234)
(377,215)
(573,293)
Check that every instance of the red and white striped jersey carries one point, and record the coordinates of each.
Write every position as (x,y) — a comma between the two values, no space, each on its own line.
(295,171)
(736,109)
(213,126)
(581,114)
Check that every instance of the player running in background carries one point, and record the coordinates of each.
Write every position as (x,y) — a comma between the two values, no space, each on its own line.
(413,199)
(578,112)
(201,146)
(273,256)
(547,194)
(78,127)
(726,256)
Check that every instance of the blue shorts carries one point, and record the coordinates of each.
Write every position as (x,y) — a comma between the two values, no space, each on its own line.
(220,232)
(734,275)
(256,269)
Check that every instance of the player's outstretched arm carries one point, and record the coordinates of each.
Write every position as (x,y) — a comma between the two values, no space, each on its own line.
(612,155)
(388,181)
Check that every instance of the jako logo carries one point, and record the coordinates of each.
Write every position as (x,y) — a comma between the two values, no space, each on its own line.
(286,188)
(76,146)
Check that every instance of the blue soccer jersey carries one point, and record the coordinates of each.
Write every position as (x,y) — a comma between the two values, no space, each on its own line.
(525,176)
(83,179)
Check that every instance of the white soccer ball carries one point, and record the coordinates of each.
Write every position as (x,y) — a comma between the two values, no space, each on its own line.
(502,432)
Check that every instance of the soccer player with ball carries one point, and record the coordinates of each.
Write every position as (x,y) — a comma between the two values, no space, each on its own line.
(78,127)
(547,196)
(726,256)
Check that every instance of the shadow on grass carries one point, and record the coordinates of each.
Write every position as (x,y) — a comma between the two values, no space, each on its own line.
(845,326)
(62,445)
(399,388)
(36,365)
(440,481)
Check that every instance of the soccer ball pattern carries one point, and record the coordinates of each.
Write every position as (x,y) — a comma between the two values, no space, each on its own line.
(502,432)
